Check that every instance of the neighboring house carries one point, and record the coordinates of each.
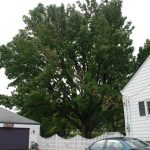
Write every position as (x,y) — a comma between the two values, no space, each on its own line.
(136,100)
(17,132)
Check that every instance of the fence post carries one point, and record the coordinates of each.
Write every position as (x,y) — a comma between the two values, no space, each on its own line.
(56,141)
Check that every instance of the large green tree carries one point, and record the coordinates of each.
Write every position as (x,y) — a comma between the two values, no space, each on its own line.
(144,52)
(68,66)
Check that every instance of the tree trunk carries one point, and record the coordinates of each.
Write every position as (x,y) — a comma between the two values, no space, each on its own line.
(86,130)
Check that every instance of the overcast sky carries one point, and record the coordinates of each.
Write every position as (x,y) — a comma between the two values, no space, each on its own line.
(11,12)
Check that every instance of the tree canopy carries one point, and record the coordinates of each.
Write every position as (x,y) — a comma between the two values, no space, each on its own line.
(144,52)
(68,66)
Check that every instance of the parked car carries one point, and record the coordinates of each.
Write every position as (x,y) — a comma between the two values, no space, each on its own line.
(120,143)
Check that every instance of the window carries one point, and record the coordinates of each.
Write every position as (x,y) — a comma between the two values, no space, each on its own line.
(98,145)
(135,143)
(142,108)
(148,107)
(113,145)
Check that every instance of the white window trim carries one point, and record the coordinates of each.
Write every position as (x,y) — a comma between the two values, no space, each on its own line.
(146,108)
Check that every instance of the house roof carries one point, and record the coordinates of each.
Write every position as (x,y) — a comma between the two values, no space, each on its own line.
(139,81)
(7,116)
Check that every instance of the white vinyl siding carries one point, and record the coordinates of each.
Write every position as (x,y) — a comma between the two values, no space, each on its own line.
(138,90)
(139,81)
(140,125)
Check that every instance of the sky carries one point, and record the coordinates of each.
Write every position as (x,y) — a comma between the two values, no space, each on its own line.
(11,12)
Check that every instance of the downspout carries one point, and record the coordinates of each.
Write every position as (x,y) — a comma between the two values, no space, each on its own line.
(130,117)
(127,114)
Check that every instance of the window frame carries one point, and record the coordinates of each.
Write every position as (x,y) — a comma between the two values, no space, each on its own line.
(147,113)
(144,108)
(146,105)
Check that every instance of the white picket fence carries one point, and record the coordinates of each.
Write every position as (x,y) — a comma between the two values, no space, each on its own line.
(75,143)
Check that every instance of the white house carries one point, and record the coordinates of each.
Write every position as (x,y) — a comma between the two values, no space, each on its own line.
(136,100)
(17,132)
